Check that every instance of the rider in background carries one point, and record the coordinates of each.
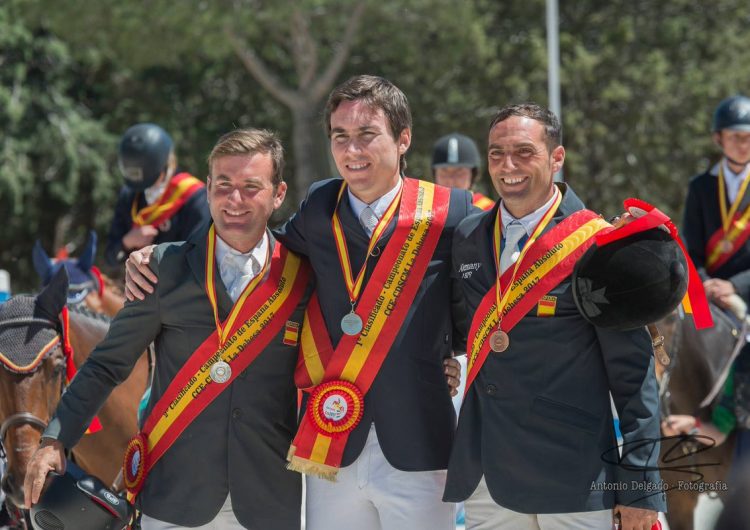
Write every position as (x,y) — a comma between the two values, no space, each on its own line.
(456,164)
(716,230)
(158,204)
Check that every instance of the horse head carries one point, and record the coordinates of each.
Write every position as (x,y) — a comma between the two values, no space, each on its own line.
(84,278)
(31,377)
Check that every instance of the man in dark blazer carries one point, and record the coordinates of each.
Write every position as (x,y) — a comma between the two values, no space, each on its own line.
(227,468)
(394,463)
(535,446)
(392,469)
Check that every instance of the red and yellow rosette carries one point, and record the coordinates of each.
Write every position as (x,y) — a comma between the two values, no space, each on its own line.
(134,465)
(335,408)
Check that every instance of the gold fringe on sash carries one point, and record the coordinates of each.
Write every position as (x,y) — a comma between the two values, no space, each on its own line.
(308,467)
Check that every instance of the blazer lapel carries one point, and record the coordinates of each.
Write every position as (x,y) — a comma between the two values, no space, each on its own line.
(196,258)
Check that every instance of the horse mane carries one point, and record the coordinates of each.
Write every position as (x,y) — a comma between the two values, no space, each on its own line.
(84,311)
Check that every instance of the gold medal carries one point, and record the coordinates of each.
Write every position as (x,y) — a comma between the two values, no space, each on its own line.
(499,341)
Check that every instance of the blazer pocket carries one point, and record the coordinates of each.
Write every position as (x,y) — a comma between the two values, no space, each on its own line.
(564,413)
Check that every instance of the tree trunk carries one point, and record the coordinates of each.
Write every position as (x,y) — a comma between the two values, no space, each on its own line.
(309,148)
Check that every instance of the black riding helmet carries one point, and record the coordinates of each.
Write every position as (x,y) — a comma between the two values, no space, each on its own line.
(76,501)
(456,149)
(732,113)
(144,155)
(630,282)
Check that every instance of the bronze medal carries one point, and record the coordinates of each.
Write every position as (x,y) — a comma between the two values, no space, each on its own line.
(725,246)
(499,341)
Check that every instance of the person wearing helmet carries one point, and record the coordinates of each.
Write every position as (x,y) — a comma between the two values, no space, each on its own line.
(456,164)
(157,203)
(717,236)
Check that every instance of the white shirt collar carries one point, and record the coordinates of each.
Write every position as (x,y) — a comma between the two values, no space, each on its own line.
(259,253)
(378,206)
(529,221)
(153,193)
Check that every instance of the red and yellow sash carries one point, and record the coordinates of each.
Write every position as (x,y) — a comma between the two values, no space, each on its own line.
(482,202)
(256,318)
(735,226)
(178,191)
(543,264)
(341,377)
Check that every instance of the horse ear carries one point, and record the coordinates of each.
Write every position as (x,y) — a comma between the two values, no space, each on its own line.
(53,297)
(86,259)
(42,263)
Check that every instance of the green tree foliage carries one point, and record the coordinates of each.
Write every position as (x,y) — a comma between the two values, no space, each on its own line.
(54,155)
(640,80)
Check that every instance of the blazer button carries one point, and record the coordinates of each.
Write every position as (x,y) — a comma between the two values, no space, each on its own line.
(236,413)
(491,390)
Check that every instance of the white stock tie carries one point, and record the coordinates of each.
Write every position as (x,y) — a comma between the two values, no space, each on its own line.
(235,276)
(513,234)
(369,220)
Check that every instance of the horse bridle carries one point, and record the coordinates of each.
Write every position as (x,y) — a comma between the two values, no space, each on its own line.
(25,418)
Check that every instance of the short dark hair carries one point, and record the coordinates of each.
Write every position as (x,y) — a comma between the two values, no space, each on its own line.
(377,93)
(250,142)
(552,127)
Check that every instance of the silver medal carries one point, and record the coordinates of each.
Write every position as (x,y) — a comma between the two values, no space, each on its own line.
(221,372)
(351,324)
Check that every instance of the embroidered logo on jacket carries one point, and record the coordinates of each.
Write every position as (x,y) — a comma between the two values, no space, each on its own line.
(467,269)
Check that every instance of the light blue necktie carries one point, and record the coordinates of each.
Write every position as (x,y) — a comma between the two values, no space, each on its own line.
(514,232)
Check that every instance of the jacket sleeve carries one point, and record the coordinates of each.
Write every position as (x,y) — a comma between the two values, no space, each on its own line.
(114,252)
(629,362)
(111,362)
(694,230)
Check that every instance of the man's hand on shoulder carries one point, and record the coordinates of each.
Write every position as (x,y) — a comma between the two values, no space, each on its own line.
(50,456)
(139,278)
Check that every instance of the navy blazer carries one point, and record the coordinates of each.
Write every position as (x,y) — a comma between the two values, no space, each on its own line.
(703,218)
(409,401)
(537,421)
(238,443)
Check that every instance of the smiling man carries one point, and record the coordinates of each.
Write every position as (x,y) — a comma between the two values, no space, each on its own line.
(211,452)
(378,423)
(536,420)
(385,319)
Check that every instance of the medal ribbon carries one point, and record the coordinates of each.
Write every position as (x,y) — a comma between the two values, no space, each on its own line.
(385,302)
(545,263)
(541,225)
(735,227)
(727,217)
(354,286)
(223,329)
(262,317)
(178,191)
